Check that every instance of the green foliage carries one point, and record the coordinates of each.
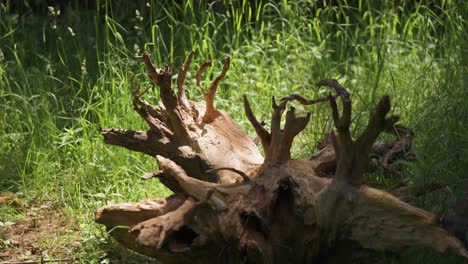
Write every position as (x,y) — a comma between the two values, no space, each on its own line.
(64,72)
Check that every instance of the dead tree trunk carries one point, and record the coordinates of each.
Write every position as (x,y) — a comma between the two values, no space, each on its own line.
(231,205)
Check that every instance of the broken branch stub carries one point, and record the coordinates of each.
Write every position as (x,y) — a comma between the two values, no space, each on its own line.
(211,113)
(249,209)
(181,81)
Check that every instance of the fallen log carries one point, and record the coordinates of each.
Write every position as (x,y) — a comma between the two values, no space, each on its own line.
(234,205)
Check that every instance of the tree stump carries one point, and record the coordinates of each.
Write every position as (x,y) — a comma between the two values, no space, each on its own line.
(232,205)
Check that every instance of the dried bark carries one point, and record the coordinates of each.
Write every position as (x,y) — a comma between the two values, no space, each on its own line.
(231,205)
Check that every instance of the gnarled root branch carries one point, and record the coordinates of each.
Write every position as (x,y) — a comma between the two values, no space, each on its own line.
(375,219)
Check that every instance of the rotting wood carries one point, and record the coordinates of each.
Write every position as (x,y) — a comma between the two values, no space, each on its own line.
(232,205)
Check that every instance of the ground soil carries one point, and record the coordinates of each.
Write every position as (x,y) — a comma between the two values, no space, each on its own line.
(35,233)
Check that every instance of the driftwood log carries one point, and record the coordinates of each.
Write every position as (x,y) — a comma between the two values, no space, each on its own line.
(231,204)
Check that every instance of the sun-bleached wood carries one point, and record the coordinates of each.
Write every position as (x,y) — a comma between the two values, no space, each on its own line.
(232,205)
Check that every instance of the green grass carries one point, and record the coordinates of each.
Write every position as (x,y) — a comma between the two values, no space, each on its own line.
(62,76)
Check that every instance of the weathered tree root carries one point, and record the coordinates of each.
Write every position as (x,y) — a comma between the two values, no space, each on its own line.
(231,205)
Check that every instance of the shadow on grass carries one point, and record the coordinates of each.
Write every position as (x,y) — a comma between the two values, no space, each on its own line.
(115,253)
(10,179)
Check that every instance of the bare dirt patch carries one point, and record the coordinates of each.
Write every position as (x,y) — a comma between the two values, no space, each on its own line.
(35,232)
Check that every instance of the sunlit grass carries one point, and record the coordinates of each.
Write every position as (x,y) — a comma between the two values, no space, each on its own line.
(64,76)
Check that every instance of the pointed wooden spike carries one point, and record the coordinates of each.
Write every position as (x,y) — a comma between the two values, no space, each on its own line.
(211,113)
(181,81)
(262,133)
(199,74)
